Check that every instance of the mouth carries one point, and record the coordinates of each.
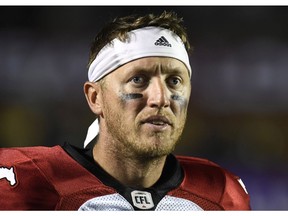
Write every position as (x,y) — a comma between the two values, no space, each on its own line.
(157,122)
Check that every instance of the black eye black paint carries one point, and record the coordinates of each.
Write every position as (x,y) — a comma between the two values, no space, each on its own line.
(131,96)
(176,97)
(179,98)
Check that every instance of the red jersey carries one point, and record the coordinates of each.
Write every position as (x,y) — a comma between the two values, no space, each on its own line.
(67,178)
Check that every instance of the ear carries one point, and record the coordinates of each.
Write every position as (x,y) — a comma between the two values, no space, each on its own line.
(93,97)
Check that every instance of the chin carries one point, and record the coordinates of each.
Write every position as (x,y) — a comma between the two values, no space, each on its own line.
(155,151)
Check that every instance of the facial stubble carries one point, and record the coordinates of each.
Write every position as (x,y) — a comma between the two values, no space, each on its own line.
(126,138)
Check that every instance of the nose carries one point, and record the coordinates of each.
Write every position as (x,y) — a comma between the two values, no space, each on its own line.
(158,94)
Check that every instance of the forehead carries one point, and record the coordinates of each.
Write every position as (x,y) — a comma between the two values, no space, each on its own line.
(164,65)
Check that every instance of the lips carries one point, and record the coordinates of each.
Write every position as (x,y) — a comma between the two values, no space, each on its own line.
(157,121)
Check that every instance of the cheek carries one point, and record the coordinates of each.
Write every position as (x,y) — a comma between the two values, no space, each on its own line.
(180,101)
(132,102)
(128,97)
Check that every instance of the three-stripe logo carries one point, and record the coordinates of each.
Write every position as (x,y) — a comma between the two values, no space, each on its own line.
(162,41)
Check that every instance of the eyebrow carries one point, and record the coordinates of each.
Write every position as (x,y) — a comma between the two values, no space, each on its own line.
(165,70)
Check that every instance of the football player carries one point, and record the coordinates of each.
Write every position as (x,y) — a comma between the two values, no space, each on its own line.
(138,88)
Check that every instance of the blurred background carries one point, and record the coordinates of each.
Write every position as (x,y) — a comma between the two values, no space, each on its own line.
(238,114)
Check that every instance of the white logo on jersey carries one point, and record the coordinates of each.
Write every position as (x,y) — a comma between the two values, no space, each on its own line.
(243,185)
(8,174)
(142,199)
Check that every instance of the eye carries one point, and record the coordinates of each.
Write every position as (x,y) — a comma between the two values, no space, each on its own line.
(138,80)
(174,81)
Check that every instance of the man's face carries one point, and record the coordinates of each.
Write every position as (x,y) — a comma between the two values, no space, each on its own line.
(144,105)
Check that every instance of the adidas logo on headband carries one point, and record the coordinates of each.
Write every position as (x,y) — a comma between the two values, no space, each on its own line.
(162,41)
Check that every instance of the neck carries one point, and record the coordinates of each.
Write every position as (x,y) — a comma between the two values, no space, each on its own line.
(130,171)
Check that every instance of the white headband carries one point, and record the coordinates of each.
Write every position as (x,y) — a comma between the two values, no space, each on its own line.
(144,42)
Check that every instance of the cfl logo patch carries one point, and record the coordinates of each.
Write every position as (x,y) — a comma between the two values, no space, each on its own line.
(142,199)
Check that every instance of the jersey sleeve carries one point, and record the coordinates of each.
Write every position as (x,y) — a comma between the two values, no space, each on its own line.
(213,187)
(235,195)
(23,186)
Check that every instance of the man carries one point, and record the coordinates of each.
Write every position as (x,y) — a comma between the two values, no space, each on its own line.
(139,89)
